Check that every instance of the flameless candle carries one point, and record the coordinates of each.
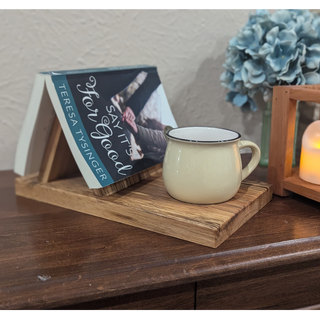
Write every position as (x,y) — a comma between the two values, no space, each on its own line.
(310,154)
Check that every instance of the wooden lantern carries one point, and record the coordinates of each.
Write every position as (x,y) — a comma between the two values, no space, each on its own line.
(281,175)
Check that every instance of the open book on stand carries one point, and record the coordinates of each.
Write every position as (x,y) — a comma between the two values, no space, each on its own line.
(112,120)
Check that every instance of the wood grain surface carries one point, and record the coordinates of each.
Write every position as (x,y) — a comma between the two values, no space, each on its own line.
(305,93)
(127,182)
(147,205)
(283,120)
(276,288)
(295,184)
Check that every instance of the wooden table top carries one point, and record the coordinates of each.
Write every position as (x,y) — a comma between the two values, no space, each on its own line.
(52,257)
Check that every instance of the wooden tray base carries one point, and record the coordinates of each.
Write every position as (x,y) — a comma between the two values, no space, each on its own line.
(147,205)
(306,189)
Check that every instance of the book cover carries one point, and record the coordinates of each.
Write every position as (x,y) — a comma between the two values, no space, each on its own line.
(114,118)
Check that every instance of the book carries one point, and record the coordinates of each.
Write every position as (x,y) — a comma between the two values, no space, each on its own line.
(112,119)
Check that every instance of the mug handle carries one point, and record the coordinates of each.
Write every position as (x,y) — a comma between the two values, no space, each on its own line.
(165,130)
(255,158)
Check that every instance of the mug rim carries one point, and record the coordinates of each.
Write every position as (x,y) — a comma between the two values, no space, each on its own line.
(201,141)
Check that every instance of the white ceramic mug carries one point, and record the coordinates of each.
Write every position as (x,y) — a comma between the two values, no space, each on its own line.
(203,164)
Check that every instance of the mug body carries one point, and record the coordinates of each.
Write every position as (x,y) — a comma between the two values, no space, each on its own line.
(202,164)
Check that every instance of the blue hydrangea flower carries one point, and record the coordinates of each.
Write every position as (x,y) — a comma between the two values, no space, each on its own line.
(312,78)
(252,73)
(313,56)
(227,79)
(306,32)
(234,60)
(248,39)
(263,18)
(232,81)
(316,24)
(279,49)
(294,69)
(243,101)
(282,48)
(271,76)
(281,18)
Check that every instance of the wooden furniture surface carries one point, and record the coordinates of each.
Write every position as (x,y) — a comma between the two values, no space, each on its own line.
(54,258)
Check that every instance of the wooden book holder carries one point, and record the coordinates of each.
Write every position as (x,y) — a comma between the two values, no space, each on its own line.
(146,205)
(281,175)
(58,163)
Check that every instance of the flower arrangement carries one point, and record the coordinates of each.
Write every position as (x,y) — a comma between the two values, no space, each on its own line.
(282,48)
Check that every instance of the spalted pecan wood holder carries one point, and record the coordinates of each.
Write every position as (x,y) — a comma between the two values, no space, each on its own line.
(140,200)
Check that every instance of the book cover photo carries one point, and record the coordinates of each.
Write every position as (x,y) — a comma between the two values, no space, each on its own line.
(116,118)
